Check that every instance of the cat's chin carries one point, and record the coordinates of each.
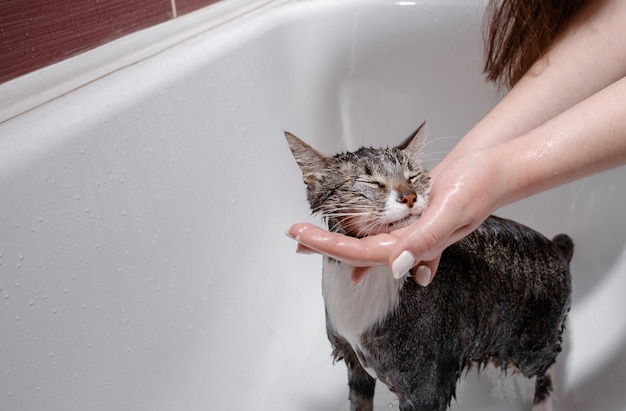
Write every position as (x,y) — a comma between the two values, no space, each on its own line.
(403,222)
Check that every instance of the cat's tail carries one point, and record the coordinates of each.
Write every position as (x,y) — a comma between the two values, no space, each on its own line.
(565,245)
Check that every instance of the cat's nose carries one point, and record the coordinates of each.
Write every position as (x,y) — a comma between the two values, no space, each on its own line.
(406,195)
(408,199)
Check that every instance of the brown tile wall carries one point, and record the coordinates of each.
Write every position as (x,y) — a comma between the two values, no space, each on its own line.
(36,33)
(187,6)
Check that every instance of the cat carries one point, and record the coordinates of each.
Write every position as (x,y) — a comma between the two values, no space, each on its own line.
(501,295)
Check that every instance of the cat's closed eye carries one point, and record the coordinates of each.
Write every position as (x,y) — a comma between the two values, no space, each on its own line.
(378,184)
(412,178)
(371,182)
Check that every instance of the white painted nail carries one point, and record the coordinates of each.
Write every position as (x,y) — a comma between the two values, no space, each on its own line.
(402,264)
(422,275)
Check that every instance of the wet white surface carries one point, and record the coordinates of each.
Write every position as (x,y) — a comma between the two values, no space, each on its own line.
(143,261)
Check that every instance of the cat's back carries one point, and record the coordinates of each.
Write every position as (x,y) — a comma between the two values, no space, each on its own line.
(503,282)
(503,272)
(511,253)
(505,261)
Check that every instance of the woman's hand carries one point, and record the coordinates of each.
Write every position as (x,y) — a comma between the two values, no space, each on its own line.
(361,253)
(462,196)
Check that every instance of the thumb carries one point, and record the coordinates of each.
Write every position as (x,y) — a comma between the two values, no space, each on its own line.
(415,246)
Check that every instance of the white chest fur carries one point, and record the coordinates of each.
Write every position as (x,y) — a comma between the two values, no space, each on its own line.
(353,309)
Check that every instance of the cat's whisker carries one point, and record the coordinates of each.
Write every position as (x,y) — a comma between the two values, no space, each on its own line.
(375,227)
(348,211)
(359,210)
(435,140)
(429,156)
(349,223)
(373,224)
(354,207)
(346,224)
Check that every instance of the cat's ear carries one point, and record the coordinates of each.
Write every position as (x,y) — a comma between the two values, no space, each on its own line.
(311,162)
(416,141)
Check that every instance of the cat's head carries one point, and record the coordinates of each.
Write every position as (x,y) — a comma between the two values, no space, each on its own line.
(368,191)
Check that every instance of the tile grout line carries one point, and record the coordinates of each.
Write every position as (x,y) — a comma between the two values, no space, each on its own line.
(174,14)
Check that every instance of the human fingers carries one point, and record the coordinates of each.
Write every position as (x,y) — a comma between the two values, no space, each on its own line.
(461,197)
(303,249)
(424,273)
(357,252)
(358,273)
(423,244)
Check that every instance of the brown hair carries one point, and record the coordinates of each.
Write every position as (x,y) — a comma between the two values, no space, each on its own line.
(518,32)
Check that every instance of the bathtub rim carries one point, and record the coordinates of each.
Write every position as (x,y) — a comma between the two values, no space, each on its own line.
(43,85)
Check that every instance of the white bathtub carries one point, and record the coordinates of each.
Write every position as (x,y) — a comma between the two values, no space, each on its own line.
(143,261)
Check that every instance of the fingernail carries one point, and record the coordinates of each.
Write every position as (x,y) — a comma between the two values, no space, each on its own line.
(300,249)
(422,275)
(402,264)
(288,234)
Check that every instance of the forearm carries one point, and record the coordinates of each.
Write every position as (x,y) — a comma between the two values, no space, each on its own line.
(583,61)
(585,139)
(588,138)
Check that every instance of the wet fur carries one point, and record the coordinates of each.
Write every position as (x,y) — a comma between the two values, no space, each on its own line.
(501,294)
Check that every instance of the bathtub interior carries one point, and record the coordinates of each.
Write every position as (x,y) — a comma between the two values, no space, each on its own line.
(142,249)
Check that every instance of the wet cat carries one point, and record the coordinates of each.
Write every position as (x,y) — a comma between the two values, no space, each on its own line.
(501,294)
